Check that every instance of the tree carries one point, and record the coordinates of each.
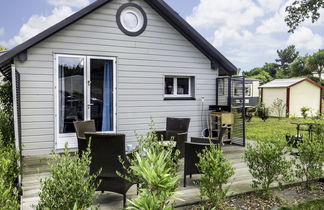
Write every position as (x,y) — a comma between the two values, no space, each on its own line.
(300,10)
(286,57)
(259,73)
(299,68)
(271,68)
(2,49)
(316,63)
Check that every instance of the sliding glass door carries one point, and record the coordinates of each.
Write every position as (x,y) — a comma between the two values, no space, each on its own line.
(85,89)
(101,93)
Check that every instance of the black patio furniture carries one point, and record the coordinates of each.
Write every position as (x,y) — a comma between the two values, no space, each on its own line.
(194,147)
(176,128)
(106,149)
(80,128)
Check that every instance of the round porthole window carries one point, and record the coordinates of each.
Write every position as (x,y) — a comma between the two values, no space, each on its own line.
(131,19)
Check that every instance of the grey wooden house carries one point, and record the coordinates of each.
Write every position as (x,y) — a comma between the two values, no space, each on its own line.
(118,62)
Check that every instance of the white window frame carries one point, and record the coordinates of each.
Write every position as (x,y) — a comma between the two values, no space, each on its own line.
(175,87)
(71,137)
(249,86)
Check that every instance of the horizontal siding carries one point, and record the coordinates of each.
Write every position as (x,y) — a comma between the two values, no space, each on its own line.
(142,63)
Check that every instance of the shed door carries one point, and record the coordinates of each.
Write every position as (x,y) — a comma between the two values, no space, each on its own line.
(85,89)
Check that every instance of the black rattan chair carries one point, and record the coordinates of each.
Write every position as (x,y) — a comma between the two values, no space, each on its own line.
(176,128)
(193,148)
(105,152)
(80,128)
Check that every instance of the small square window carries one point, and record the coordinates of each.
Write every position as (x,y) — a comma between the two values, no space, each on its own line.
(178,87)
(169,86)
(183,86)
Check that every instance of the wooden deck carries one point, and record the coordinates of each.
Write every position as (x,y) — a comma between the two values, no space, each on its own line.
(35,168)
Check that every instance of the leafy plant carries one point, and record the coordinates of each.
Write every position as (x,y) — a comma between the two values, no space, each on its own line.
(8,174)
(70,183)
(310,159)
(154,167)
(278,107)
(217,171)
(301,10)
(6,114)
(304,111)
(268,163)
(262,111)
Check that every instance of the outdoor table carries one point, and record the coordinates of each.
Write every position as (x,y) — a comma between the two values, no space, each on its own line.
(310,126)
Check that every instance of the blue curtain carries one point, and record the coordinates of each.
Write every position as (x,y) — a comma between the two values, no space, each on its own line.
(107,112)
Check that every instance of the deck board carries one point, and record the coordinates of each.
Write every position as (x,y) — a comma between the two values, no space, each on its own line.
(35,168)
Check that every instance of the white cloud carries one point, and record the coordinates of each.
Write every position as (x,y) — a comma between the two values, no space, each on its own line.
(218,13)
(304,38)
(69,3)
(253,48)
(2,31)
(37,24)
(270,5)
(225,34)
(276,23)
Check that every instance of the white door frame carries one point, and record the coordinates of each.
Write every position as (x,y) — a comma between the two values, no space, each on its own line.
(71,137)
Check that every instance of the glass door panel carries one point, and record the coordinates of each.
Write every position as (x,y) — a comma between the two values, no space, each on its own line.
(70,92)
(101,93)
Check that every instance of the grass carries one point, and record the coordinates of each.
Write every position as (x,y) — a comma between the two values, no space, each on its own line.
(272,127)
(309,205)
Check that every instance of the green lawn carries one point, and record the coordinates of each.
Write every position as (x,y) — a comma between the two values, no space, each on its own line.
(259,130)
(310,205)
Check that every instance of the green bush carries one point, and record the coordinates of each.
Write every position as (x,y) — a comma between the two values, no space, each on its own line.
(262,111)
(304,111)
(310,160)
(69,183)
(154,167)
(268,163)
(6,114)
(217,171)
(8,174)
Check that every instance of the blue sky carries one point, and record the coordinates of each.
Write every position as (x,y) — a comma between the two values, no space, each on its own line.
(247,32)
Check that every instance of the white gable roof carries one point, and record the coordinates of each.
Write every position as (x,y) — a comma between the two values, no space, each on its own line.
(282,83)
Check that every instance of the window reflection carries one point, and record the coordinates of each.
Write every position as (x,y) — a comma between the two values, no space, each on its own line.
(71,92)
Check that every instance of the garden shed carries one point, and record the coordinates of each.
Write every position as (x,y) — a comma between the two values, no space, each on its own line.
(295,93)
(117,62)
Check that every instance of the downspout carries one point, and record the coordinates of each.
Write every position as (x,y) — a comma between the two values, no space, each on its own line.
(288,102)
(321,93)
(15,113)
(261,95)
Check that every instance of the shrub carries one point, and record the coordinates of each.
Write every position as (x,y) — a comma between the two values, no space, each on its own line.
(70,182)
(309,161)
(217,171)
(262,111)
(304,111)
(154,167)
(267,163)
(147,201)
(8,196)
(8,174)
(278,107)
(6,113)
